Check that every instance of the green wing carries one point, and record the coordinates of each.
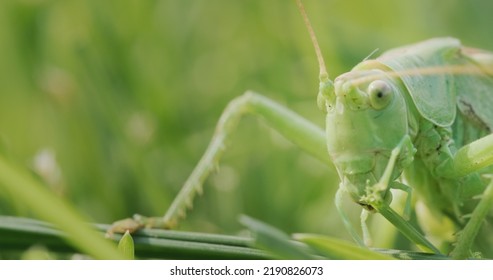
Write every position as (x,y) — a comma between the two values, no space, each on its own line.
(475,91)
(433,94)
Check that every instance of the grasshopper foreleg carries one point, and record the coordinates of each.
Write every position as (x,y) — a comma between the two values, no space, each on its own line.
(375,198)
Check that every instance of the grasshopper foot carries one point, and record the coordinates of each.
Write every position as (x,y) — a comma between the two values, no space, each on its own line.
(138,222)
(129,224)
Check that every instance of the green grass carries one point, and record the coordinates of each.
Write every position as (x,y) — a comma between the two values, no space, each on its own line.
(20,234)
(110,104)
(42,239)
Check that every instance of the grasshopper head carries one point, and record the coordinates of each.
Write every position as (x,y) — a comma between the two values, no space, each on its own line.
(366,119)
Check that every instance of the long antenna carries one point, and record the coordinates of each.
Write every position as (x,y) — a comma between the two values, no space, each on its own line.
(324,76)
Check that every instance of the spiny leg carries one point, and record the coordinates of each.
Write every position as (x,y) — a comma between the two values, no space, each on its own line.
(375,198)
(295,128)
(406,213)
(469,159)
(468,234)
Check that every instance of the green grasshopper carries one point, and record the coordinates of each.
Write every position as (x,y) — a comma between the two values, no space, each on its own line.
(416,118)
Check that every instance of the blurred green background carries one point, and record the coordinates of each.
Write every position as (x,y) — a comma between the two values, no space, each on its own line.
(112,103)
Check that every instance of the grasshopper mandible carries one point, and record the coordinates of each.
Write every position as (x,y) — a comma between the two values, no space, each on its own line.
(416,118)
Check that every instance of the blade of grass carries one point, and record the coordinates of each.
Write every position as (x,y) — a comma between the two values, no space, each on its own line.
(230,240)
(54,210)
(410,255)
(21,233)
(334,248)
(276,242)
(340,249)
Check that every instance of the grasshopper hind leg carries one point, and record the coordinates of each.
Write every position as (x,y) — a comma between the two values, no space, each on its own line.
(295,128)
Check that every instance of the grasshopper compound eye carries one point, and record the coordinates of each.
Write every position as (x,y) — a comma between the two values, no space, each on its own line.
(380,94)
